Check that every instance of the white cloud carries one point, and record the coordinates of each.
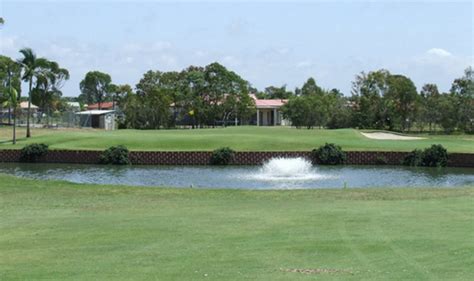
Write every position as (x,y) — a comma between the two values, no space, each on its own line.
(304,64)
(432,66)
(439,52)
(8,44)
(440,58)
(161,46)
(283,51)
(231,61)
(168,61)
(200,53)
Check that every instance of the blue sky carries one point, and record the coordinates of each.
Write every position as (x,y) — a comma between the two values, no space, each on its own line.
(267,43)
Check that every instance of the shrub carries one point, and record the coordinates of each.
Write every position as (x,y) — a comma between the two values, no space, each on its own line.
(222,156)
(329,154)
(414,158)
(32,152)
(116,155)
(434,156)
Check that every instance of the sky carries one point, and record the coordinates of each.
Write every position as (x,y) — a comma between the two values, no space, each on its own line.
(265,42)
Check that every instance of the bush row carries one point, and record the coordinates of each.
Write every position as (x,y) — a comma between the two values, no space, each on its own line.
(117,155)
(434,156)
(328,154)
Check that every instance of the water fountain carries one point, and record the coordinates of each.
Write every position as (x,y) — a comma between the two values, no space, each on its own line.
(288,169)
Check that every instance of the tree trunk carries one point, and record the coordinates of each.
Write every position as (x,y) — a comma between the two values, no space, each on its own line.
(14,126)
(28,133)
(48,112)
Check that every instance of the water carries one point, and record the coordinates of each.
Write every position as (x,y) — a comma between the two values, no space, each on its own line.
(279,173)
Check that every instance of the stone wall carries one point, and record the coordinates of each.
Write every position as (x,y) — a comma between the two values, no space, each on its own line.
(241,158)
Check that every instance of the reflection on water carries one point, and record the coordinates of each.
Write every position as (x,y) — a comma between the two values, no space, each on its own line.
(248,177)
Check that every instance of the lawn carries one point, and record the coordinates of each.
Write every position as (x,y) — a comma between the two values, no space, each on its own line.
(238,138)
(64,231)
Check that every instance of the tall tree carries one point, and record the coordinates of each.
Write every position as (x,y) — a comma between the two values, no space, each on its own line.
(150,111)
(339,110)
(310,88)
(299,110)
(463,89)
(402,94)
(447,106)
(95,87)
(48,86)
(149,81)
(273,92)
(368,90)
(10,87)
(119,92)
(314,107)
(221,84)
(32,67)
(193,96)
(430,112)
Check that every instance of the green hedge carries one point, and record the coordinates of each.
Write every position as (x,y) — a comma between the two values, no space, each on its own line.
(115,155)
(434,156)
(329,154)
(222,156)
(33,152)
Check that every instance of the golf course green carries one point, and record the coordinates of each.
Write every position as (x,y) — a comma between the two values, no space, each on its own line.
(245,138)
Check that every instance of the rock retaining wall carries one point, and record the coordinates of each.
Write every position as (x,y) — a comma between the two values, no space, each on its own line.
(241,158)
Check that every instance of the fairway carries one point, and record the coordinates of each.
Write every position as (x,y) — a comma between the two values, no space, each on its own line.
(244,138)
(63,231)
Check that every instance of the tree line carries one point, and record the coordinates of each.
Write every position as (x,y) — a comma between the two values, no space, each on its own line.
(382,100)
(214,95)
(44,79)
(196,96)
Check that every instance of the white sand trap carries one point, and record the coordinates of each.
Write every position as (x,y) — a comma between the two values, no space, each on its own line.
(388,136)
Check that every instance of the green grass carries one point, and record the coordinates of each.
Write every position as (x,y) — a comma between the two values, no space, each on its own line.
(238,138)
(62,231)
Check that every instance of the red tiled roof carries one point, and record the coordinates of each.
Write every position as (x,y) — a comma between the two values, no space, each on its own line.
(24,105)
(103,105)
(264,103)
(270,103)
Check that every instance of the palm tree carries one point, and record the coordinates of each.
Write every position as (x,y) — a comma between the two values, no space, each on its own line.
(32,67)
(12,102)
(11,85)
(10,96)
(49,81)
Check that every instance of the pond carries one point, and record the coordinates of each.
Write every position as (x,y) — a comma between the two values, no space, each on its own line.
(295,173)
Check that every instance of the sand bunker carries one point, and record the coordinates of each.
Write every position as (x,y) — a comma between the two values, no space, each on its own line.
(388,136)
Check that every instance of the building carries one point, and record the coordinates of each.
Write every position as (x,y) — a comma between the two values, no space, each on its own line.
(73,106)
(107,105)
(269,112)
(99,119)
(24,107)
